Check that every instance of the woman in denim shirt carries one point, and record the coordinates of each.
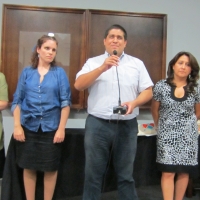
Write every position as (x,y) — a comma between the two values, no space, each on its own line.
(41,108)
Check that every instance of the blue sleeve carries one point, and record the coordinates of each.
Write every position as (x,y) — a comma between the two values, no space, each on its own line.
(19,94)
(65,91)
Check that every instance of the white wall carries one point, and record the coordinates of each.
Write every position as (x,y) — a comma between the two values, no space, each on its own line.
(183,31)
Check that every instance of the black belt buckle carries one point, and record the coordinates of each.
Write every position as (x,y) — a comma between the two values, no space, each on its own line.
(113,121)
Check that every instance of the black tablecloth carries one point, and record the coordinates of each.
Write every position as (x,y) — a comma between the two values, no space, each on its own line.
(71,172)
(2,161)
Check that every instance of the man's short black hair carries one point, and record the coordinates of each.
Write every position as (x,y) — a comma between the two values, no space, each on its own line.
(116,26)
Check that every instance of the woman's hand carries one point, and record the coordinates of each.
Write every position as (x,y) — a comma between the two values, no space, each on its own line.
(59,136)
(19,133)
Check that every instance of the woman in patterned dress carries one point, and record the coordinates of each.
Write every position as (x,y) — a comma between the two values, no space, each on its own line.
(175,110)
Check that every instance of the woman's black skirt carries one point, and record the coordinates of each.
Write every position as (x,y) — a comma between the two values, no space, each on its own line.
(38,152)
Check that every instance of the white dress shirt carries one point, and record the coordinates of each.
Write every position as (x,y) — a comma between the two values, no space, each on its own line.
(104,92)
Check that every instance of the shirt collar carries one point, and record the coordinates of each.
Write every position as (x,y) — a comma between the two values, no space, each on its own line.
(119,57)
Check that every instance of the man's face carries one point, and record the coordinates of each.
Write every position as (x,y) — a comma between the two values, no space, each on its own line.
(115,41)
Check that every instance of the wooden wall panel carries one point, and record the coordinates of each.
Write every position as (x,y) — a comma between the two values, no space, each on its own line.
(146,39)
(34,19)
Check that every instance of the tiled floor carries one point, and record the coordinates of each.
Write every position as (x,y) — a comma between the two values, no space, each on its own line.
(144,193)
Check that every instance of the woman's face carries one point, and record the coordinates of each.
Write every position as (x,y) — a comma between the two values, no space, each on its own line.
(47,52)
(182,67)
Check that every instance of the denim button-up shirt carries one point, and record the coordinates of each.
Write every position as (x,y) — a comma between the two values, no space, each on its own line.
(41,103)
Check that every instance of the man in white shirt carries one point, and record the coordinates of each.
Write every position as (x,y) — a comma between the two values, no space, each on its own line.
(110,88)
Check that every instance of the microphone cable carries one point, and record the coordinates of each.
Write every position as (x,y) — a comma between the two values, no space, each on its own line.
(119,101)
(115,136)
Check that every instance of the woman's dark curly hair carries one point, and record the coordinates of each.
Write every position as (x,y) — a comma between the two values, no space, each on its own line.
(40,42)
(192,78)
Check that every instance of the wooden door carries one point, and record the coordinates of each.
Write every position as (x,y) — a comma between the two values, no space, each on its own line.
(21,24)
(80,34)
(146,38)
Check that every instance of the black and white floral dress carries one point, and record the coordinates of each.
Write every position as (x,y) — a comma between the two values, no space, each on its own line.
(177,139)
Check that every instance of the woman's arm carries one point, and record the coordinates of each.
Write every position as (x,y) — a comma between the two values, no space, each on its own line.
(3,92)
(18,130)
(197,110)
(60,133)
(3,104)
(155,111)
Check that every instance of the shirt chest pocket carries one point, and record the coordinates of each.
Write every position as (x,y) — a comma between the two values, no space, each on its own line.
(128,78)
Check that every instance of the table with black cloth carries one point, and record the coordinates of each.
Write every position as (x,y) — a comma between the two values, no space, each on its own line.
(2,161)
(71,172)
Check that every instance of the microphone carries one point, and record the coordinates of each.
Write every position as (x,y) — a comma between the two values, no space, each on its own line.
(115,52)
(121,110)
